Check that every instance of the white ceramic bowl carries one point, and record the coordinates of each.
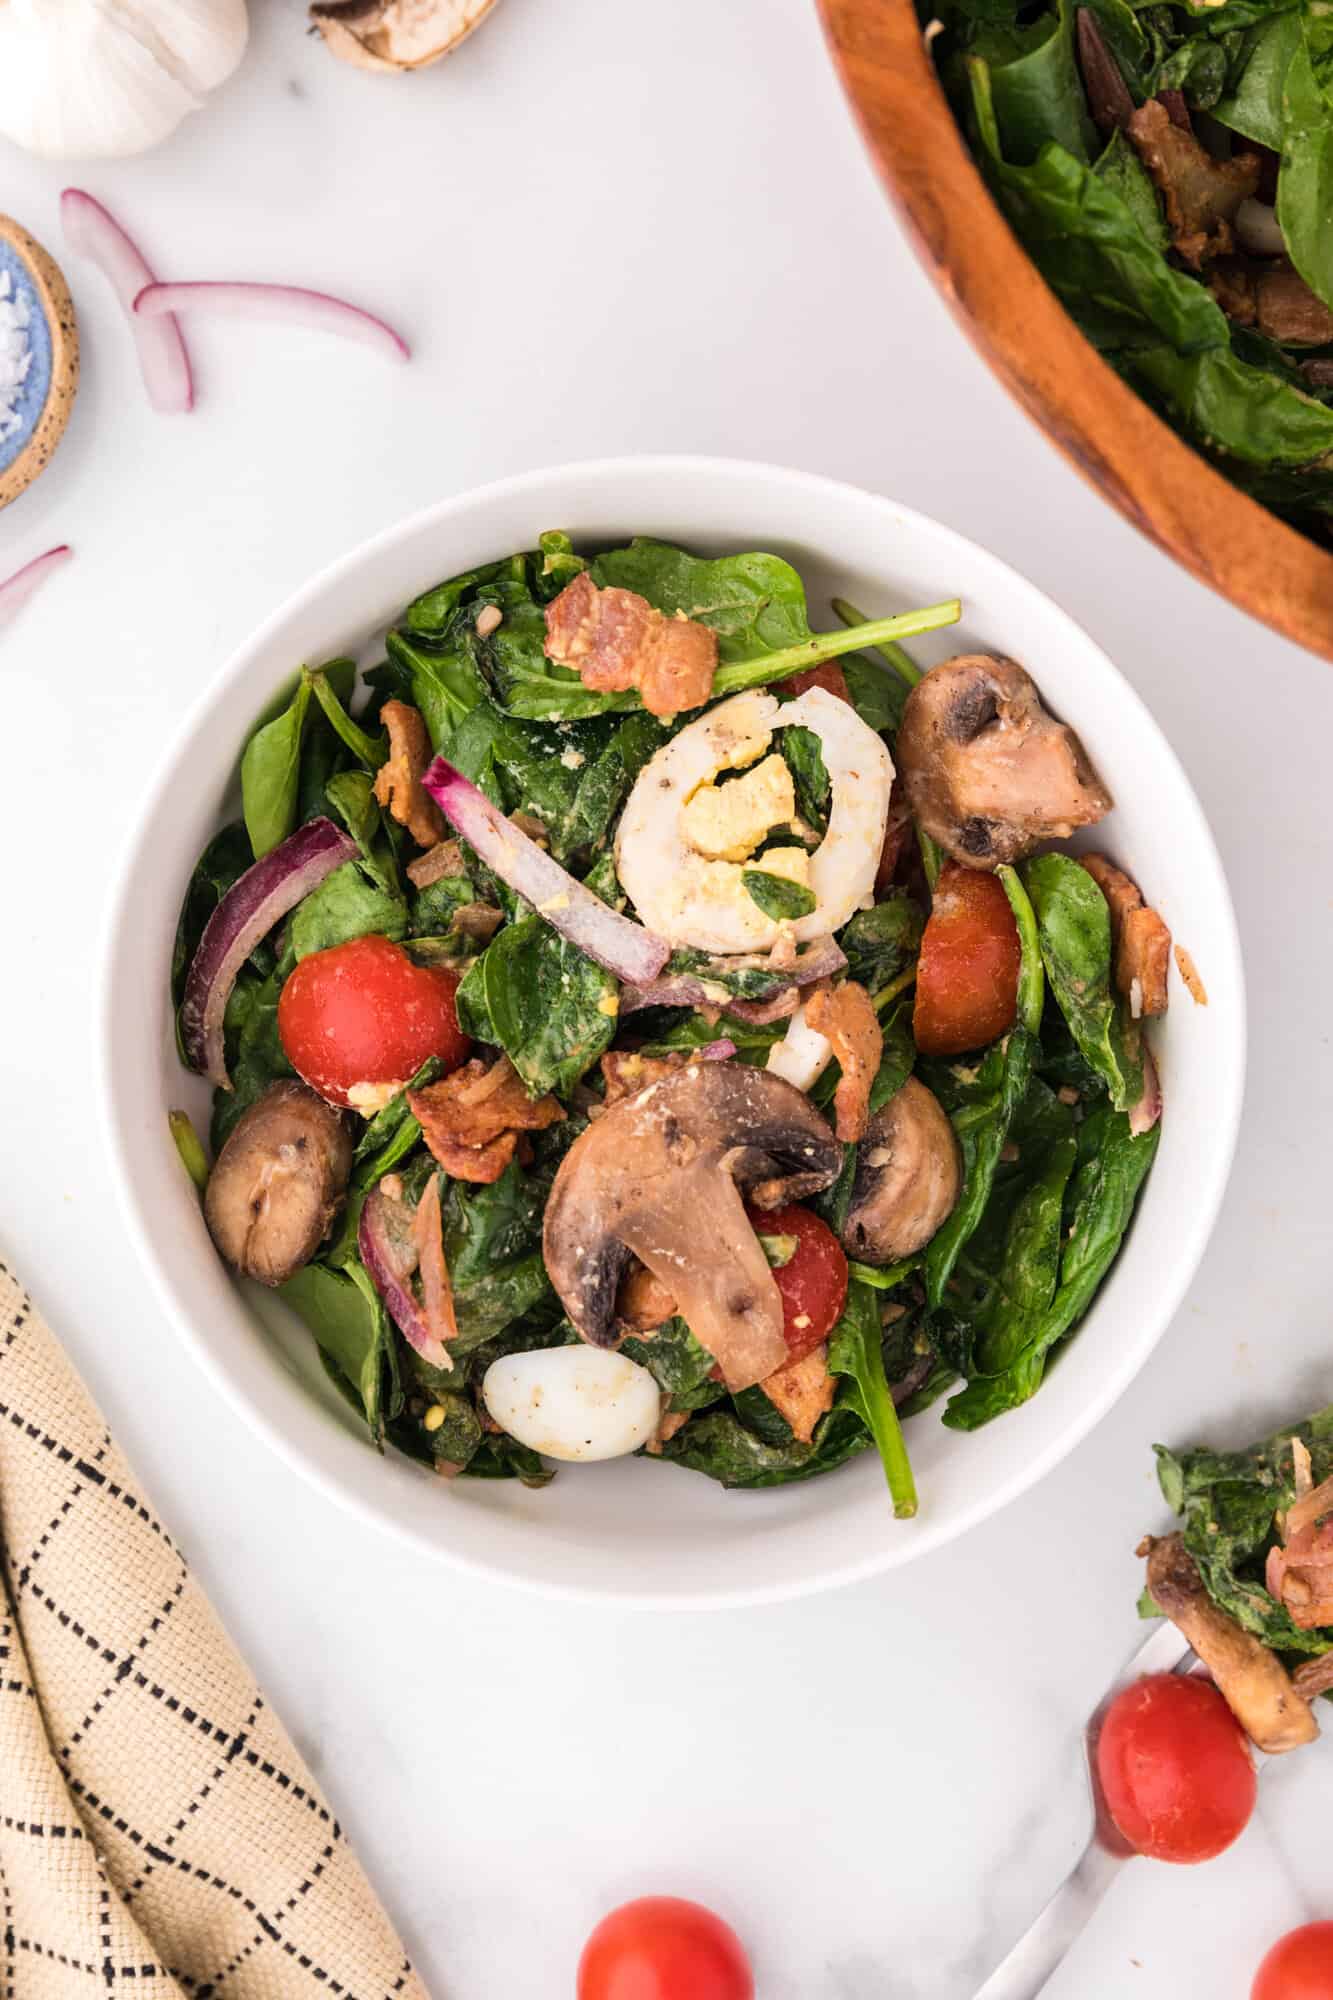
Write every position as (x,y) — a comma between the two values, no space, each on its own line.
(635,1530)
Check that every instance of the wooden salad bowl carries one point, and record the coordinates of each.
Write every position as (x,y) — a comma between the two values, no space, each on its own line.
(1004,305)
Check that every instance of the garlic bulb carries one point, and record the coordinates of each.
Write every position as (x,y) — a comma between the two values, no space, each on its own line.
(98,79)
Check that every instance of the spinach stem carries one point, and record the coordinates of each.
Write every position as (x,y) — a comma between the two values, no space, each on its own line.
(368,750)
(190,1147)
(882,1280)
(906,978)
(883,1415)
(897,656)
(932,855)
(1031,978)
(828,645)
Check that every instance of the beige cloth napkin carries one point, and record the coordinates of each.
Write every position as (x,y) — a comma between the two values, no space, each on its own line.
(159,1835)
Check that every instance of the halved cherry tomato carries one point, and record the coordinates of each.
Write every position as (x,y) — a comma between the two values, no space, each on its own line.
(362,1014)
(1175,1768)
(827,675)
(813,1283)
(663,1948)
(1299,1967)
(967,974)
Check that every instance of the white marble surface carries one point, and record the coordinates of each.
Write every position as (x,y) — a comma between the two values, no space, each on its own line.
(612,228)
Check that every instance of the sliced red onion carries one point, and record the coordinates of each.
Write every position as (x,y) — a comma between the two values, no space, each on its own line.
(718,1051)
(234,299)
(694,989)
(17,589)
(248,912)
(390,1264)
(1145,1114)
(635,955)
(163,361)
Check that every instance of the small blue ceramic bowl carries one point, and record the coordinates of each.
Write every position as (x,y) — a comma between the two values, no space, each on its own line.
(43,402)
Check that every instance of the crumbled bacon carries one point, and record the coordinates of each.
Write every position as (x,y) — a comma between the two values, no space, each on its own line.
(398,784)
(846,1015)
(1274,297)
(1201,194)
(1141,939)
(445,858)
(626,1071)
(616,640)
(827,675)
(643,1302)
(437,1293)
(802,1390)
(471,1120)
(668,1424)
(1299,1572)
(897,832)
(477,922)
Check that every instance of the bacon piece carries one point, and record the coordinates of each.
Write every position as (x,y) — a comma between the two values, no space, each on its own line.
(802,1390)
(478,922)
(626,1070)
(1141,939)
(398,784)
(445,858)
(471,1119)
(437,1293)
(846,1015)
(643,1302)
(616,640)
(668,1424)
(1201,194)
(827,675)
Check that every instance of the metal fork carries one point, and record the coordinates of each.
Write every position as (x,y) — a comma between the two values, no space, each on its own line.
(1042,1948)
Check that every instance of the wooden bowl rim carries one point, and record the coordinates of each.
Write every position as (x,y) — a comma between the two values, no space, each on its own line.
(53,293)
(1163,485)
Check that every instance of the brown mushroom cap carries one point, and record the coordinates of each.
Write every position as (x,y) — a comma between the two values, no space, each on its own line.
(988,773)
(278,1183)
(658,1177)
(908,1173)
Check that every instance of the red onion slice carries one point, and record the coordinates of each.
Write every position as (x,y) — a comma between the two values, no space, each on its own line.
(163,361)
(390,1263)
(1145,1114)
(248,912)
(693,989)
(719,1051)
(233,299)
(17,589)
(635,955)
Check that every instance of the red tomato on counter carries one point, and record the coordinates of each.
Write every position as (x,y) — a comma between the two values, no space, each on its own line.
(663,1948)
(363,1013)
(967,974)
(1175,1768)
(1299,1967)
(813,1285)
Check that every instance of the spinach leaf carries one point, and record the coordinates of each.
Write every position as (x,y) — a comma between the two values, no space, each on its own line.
(1228,1501)
(856,1351)
(351,794)
(605,781)
(451,1440)
(429,615)
(882,942)
(1074,926)
(1305,180)
(503,1457)
(776,896)
(1121,170)
(559,564)
(1111,1167)
(755,603)
(345,905)
(1030,1262)
(1036,88)
(350,1326)
(679,1364)
(492,1239)
(803,755)
(982,1126)
(445,684)
(1243,411)
(255,1056)
(512,662)
(718,1443)
(878,697)
(222,863)
(270,774)
(1253,106)
(537,997)
(369,751)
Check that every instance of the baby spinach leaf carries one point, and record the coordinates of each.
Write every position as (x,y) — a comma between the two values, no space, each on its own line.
(537,997)
(451,1439)
(1074,926)
(718,1443)
(351,794)
(350,1326)
(493,1239)
(804,757)
(856,1351)
(1305,180)
(678,1363)
(255,1056)
(369,751)
(345,905)
(429,615)
(445,683)
(882,942)
(982,1125)
(755,602)
(503,1457)
(270,774)
(877,697)
(605,780)
(1253,105)
(1243,411)
(776,896)
(559,564)
(1036,88)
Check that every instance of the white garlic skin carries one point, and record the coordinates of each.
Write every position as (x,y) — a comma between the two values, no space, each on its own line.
(103,79)
(573,1403)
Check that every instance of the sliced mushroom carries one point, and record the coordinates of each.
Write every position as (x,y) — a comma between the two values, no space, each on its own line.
(1256,1685)
(908,1173)
(391,35)
(659,1177)
(278,1183)
(989,774)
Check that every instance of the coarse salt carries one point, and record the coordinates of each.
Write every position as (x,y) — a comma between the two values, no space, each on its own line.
(15,354)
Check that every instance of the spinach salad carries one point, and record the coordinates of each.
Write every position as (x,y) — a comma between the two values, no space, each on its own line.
(1169,168)
(1248,1576)
(639,1023)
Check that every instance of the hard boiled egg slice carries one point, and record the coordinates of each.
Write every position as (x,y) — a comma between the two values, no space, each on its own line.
(690,896)
(573,1402)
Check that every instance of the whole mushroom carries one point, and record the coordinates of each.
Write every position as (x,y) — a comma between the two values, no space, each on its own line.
(278,1183)
(988,772)
(908,1173)
(658,1177)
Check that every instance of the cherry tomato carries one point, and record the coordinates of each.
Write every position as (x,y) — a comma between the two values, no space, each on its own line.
(663,1948)
(967,974)
(1299,1967)
(827,675)
(813,1284)
(1175,1768)
(363,1013)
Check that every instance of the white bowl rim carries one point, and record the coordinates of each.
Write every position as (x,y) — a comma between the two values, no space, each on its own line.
(925,1537)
